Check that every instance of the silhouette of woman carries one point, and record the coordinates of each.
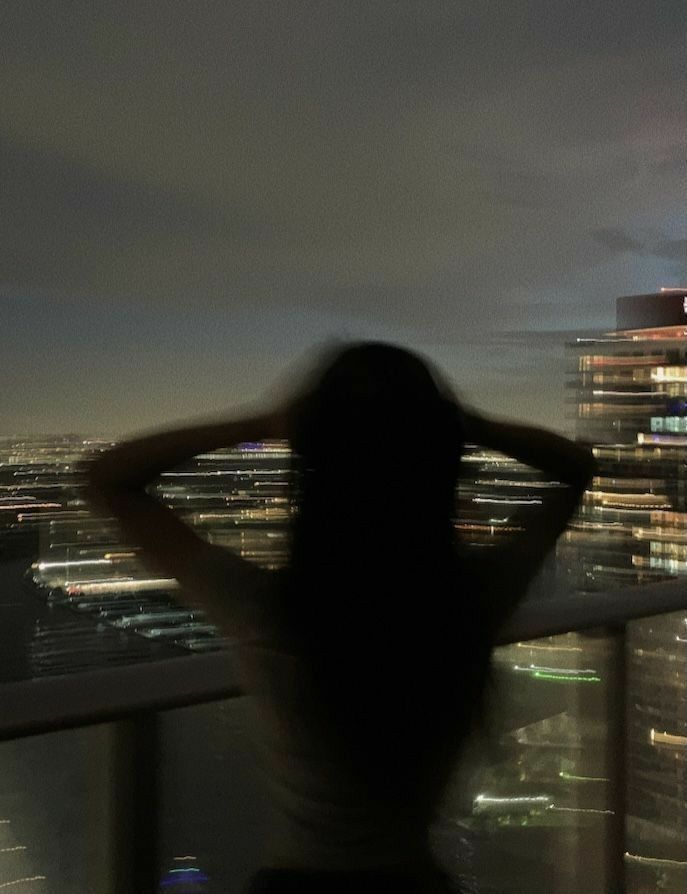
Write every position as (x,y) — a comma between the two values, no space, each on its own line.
(367,657)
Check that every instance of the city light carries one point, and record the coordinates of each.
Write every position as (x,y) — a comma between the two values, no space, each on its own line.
(663,738)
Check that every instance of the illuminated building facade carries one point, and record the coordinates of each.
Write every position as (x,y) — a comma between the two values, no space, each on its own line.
(631,402)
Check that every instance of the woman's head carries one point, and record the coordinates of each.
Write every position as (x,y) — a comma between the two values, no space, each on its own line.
(378,441)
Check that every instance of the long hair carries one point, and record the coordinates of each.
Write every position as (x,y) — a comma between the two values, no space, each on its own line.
(374,598)
(378,444)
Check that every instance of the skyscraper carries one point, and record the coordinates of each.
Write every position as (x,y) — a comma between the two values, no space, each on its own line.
(631,402)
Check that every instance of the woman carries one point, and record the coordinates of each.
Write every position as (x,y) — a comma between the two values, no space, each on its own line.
(366,659)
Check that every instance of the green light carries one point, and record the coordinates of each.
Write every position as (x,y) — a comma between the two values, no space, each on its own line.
(566,677)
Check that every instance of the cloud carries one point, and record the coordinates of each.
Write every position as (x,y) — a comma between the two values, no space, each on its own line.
(617,241)
(210,186)
(426,168)
(75,228)
(673,249)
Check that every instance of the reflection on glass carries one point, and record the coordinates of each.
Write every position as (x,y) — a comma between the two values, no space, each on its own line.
(54,822)
(535,790)
(185,877)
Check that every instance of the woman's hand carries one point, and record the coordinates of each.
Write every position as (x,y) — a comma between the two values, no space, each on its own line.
(117,483)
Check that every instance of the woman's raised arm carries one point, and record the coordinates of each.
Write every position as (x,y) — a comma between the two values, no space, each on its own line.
(215,579)
(563,461)
(133,464)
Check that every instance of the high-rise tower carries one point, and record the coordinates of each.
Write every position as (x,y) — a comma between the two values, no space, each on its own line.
(631,402)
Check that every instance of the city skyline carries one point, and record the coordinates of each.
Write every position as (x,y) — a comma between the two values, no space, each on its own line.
(545,804)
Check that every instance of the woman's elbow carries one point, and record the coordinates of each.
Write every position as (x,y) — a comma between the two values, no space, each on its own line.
(585,468)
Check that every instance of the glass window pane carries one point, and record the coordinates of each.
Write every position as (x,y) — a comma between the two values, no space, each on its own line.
(533,804)
(54,812)
(213,806)
(657,753)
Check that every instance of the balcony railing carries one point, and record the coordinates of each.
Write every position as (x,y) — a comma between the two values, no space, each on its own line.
(582,830)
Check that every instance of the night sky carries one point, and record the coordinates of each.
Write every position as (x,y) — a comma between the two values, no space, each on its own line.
(195,192)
